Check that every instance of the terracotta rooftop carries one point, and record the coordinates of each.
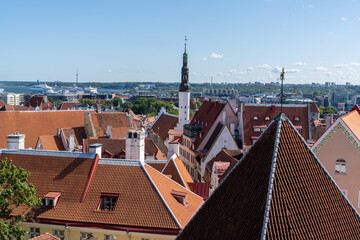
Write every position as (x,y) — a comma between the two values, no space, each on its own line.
(120,132)
(37,123)
(352,120)
(45,236)
(314,108)
(176,169)
(206,116)
(278,190)
(41,102)
(116,147)
(68,106)
(163,124)
(12,108)
(143,195)
(263,114)
(49,142)
(102,120)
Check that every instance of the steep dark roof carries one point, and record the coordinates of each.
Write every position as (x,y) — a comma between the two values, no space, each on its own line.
(278,190)
(163,124)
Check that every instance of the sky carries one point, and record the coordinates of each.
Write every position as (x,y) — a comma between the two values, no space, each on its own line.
(232,41)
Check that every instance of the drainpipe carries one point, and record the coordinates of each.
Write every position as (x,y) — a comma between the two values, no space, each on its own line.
(67,230)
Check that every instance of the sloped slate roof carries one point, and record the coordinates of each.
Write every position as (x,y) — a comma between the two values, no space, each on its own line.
(163,124)
(278,190)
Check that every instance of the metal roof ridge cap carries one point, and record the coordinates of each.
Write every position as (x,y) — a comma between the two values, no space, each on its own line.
(177,169)
(326,172)
(271,181)
(162,198)
(38,152)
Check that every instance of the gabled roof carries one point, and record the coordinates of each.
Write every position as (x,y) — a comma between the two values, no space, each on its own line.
(37,123)
(163,124)
(206,116)
(176,169)
(49,142)
(12,108)
(45,236)
(144,202)
(224,156)
(352,120)
(278,190)
(68,106)
(41,102)
(314,108)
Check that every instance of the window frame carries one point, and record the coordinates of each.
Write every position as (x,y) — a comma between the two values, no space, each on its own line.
(87,235)
(59,235)
(339,164)
(107,195)
(33,232)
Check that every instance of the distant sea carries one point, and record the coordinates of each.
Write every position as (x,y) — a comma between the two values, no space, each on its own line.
(22,89)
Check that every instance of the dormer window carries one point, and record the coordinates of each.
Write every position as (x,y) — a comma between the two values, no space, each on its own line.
(267,118)
(107,202)
(179,196)
(296,118)
(255,118)
(51,199)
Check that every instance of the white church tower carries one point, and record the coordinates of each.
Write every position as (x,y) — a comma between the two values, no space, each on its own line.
(184,94)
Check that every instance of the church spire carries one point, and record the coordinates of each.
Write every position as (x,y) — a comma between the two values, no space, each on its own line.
(185,86)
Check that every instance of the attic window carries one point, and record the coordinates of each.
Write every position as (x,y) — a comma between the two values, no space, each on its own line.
(255,118)
(340,166)
(179,196)
(296,118)
(51,199)
(267,118)
(107,202)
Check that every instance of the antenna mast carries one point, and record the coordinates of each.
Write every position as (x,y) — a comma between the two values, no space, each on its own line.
(77,76)
(282,95)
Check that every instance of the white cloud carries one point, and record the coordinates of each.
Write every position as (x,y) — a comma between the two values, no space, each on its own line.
(264,66)
(109,71)
(204,59)
(277,69)
(344,18)
(215,55)
(249,69)
(220,74)
(193,73)
(292,70)
(300,63)
(340,65)
(309,6)
(355,64)
(320,69)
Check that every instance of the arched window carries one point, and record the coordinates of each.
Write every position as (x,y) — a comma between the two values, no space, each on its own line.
(129,135)
(340,166)
(135,135)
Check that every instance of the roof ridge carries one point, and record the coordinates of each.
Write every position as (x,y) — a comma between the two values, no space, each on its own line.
(281,117)
(40,152)
(159,193)
(323,168)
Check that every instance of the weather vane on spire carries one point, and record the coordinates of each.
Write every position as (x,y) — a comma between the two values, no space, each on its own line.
(282,95)
(185,42)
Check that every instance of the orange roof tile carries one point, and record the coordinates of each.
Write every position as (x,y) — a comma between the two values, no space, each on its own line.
(78,132)
(102,120)
(176,169)
(49,142)
(45,236)
(352,120)
(37,123)
(39,101)
(314,108)
(165,185)
(120,132)
(163,124)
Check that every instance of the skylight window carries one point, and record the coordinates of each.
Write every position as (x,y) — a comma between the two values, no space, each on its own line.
(107,202)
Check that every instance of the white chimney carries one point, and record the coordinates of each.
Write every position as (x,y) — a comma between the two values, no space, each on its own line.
(71,143)
(108,131)
(15,141)
(223,117)
(96,148)
(135,145)
(329,120)
(173,148)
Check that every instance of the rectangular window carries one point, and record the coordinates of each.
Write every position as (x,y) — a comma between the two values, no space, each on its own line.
(86,236)
(59,233)
(256,129)
(192,172)
(107,202)
(33,232)
(109,237)
(187,156)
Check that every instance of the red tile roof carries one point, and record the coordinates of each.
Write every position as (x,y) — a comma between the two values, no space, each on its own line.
(314,108)
(116,147)
(201,189)
(206,116)
(78,132)
(144,202)
(12,108)
(261,111)
(282,192)
(45,236)
(120,132)
(176,169)
(49,142)
(163,124)
(102,120)
(39,101)
(37,123)
(68,106)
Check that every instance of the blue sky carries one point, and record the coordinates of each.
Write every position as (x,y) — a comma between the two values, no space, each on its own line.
(233,41)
